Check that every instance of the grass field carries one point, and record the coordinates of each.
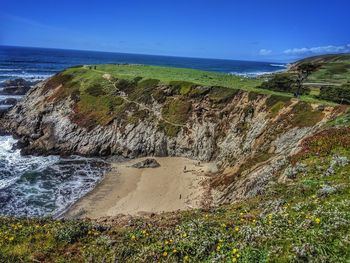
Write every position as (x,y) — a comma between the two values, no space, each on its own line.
(335,69)
(167,75)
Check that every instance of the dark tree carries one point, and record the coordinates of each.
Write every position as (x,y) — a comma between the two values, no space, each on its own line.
(303,72)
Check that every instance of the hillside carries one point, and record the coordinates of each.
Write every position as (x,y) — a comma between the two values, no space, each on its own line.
(334,69)
(280,193)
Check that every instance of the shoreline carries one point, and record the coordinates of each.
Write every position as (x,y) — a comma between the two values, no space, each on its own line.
(135,191)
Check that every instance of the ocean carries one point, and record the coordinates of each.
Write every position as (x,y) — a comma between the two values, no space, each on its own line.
(46,186)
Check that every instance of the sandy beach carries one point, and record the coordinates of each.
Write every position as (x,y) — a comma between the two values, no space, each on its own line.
(132,191)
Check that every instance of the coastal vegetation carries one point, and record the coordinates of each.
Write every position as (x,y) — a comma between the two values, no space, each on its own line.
(297,211)
(303,218)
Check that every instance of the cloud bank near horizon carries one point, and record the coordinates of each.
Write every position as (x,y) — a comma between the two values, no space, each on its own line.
(317,50)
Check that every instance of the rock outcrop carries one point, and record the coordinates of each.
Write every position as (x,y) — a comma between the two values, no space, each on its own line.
(148,163)
(249,135)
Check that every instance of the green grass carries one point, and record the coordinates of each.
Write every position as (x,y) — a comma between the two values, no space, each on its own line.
(180,76)
(291,222)
(334,68)
(98,102)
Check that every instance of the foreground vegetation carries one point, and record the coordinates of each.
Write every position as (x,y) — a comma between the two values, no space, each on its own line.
(303,216)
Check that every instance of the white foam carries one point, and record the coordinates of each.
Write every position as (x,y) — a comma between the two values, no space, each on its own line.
(279,65)
(255,73)
(43,186)
(26,76)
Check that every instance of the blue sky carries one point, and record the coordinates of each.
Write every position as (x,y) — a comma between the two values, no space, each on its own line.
(247,30)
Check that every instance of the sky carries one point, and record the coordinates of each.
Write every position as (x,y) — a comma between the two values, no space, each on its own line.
(259,30)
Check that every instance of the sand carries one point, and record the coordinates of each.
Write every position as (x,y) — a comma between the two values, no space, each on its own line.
(132,191)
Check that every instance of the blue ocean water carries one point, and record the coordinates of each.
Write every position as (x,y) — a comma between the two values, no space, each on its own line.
(46,186)
(40,63)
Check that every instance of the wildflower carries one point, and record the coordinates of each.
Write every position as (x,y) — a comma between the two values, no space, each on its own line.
(317,220)
(171,241)
(174,251)
(11,238)
(166,242)
(133,237)
(165,254)
(238,255)
(223,225)
(236,228)
(241,214)
(186,258)
(234,259)
(143,232)
(234,251)
(184,235)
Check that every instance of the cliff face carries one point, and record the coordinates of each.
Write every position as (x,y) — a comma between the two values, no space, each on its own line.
(249,135)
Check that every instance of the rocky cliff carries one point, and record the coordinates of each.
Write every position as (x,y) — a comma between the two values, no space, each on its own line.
(249,135)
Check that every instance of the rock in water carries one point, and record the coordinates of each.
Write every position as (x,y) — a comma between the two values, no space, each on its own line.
(148,163)
(16,87)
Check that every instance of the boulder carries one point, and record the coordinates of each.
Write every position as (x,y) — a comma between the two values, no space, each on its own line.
(8,101)
(16,87)
(148,163)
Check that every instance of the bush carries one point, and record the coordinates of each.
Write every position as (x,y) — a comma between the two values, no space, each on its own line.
(283,82)
(337,94)
(95,90)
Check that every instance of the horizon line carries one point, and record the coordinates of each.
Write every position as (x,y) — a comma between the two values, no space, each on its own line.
(142,54)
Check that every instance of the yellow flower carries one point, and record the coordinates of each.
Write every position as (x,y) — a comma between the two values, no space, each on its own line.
(234,251)
(234,259)
(223,225)
(11,238)
(184,235)
(143,231)
(171,241)
(174,251)
(236,228)
(166,242)
(241,214)
(133,237)
(238,255)
(165,254)
(317,220)
(186,258)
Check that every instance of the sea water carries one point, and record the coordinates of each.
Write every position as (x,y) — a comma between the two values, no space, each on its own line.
(47,186)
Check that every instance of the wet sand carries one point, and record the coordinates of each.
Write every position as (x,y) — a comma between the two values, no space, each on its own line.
(132,191)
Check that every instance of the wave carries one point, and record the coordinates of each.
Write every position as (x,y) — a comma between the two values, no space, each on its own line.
(43,186)
(279,65)
(26,76)
(254,74)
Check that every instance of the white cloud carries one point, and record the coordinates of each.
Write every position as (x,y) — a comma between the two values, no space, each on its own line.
(318,50)
(265,52)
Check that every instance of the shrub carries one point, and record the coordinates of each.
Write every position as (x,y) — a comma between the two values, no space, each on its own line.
(95,90)
(337,94)
(71,232)
(283,82)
